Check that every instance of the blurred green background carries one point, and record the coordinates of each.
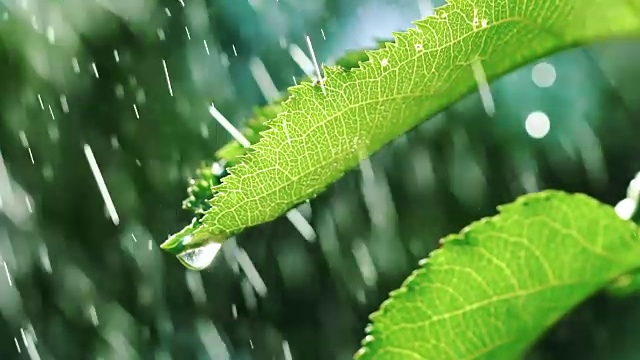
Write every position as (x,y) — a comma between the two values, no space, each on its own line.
(74,285)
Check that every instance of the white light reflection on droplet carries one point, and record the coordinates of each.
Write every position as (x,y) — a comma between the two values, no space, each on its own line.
(64,104)
(200,258)
(250,270)
(543,74)
(633,191)
(537,125)
(626,208)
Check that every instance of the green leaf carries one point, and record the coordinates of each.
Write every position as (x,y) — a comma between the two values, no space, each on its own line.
(200,189)
(491,291)
(625,285)
(628,209)
(319,135)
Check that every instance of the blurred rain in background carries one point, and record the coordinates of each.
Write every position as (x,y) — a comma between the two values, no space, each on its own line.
(104,115)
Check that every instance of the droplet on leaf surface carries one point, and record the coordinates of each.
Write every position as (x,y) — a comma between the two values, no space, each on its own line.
(201,257)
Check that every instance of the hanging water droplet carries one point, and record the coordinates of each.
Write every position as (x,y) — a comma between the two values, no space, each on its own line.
(626,208)
(201,257)
(218,168)
(633,191)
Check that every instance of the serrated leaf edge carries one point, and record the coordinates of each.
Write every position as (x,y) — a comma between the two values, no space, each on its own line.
(462,239)
(331,73)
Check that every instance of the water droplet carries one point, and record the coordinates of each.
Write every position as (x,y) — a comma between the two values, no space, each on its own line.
(633,191)
(201,257)
(543,74)
(626,208)
(537,125)
(219,168)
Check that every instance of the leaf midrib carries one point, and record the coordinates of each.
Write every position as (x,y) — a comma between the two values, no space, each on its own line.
(342,155)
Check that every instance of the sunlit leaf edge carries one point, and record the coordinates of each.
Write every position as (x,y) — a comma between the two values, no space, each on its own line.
(627,263)
(230,197)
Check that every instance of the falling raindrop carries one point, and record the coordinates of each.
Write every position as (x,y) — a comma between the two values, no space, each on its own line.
(287,350)
(303,61)
(426,7)
(95,70)
(97,174)
(302,225)
(200,257)
(365,262)
(76,65)
(315,63)
(263,79)
(64,104)
(6,270)
(250,270)
(166,75)
(41,103)
(196,287)
(483,88)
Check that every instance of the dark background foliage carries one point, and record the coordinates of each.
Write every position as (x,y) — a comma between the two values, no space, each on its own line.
(79,287)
